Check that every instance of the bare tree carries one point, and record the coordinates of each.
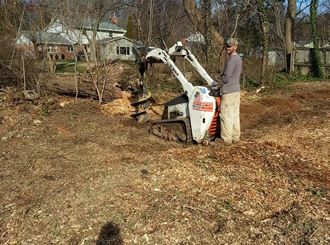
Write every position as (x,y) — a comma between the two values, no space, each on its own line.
(159,18)
(11,17)
(261,10)
(97,11)
(289,32)
(81,22)
(317,63)
(196,17)
(138,18)
(151,16)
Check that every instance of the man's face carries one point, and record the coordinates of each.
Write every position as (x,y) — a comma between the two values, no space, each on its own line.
(231,49)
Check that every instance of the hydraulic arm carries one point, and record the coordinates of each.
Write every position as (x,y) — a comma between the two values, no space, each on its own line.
(178,50)
(163,56)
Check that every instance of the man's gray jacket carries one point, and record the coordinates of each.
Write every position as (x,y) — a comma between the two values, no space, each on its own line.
(230,78)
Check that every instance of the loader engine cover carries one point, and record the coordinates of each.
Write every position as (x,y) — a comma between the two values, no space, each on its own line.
(176,108)
(202,107)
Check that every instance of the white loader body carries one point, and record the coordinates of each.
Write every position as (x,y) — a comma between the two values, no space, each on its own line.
(196,104)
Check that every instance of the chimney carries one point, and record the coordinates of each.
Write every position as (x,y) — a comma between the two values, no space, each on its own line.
(114,19)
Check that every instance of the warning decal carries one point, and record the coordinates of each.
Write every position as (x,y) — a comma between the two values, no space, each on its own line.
(198,105)
(207,106)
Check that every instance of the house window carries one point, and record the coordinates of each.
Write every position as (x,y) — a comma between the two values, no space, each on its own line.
(110,34)
(70,48)
(123,50)
(52,49)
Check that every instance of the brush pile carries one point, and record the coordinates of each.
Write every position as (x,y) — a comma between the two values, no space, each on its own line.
(104,77)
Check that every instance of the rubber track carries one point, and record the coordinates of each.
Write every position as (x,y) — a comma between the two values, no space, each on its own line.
(185,121)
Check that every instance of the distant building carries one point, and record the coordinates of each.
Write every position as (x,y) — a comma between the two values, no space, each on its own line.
(58,46)
(196,38)
(276,57)
(62,40)
(121,48)
(196,41)
(309,44)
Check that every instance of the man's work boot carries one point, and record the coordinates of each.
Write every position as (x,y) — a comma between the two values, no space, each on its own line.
(220,143)
(236,141)
(224,143)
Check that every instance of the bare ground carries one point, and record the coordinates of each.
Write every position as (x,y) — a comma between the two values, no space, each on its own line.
(86,175)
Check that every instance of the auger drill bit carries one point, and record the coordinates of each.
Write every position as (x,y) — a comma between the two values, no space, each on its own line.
(141,104)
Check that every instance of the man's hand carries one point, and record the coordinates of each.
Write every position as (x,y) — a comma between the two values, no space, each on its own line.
(214,85)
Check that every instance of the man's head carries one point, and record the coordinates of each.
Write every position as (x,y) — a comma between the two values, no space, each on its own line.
(231,46)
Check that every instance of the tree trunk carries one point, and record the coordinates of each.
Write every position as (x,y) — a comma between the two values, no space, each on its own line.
(138,19)
(92,41)
(316,60)
(196,17)
(151,16)
(289,33)
(206,6)
(214,41)
(265,39)
(64,84)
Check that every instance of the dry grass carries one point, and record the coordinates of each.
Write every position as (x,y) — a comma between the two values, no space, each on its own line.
(88,175)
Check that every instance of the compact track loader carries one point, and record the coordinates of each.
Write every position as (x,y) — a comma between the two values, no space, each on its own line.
(192,116)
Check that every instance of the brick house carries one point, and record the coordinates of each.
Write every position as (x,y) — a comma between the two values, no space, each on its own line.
(58,46)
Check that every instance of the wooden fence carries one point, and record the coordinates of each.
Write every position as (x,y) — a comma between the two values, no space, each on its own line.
(303,59)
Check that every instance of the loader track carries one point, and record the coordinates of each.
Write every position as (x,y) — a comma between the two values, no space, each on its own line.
(177,130)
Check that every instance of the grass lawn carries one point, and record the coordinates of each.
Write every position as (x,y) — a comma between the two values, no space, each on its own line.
(68,66)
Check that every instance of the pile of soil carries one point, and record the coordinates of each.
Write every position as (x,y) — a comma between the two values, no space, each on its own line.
(89,174)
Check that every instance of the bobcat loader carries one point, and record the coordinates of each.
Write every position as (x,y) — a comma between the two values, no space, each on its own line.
(194,115)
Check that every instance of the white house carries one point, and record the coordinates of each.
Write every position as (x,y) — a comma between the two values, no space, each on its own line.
(196,38)
(118,48)
(63,39)
(76,34)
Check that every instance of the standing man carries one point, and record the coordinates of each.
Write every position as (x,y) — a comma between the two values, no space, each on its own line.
(230,90)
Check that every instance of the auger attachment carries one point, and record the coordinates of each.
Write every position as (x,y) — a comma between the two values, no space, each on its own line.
(141,104)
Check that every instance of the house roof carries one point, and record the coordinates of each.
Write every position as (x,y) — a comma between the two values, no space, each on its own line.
(87,23)
(110,39)
(196,37)
(310,44)
(304,44)
(104,25)
(44,37)
(113,39)
(55,38)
